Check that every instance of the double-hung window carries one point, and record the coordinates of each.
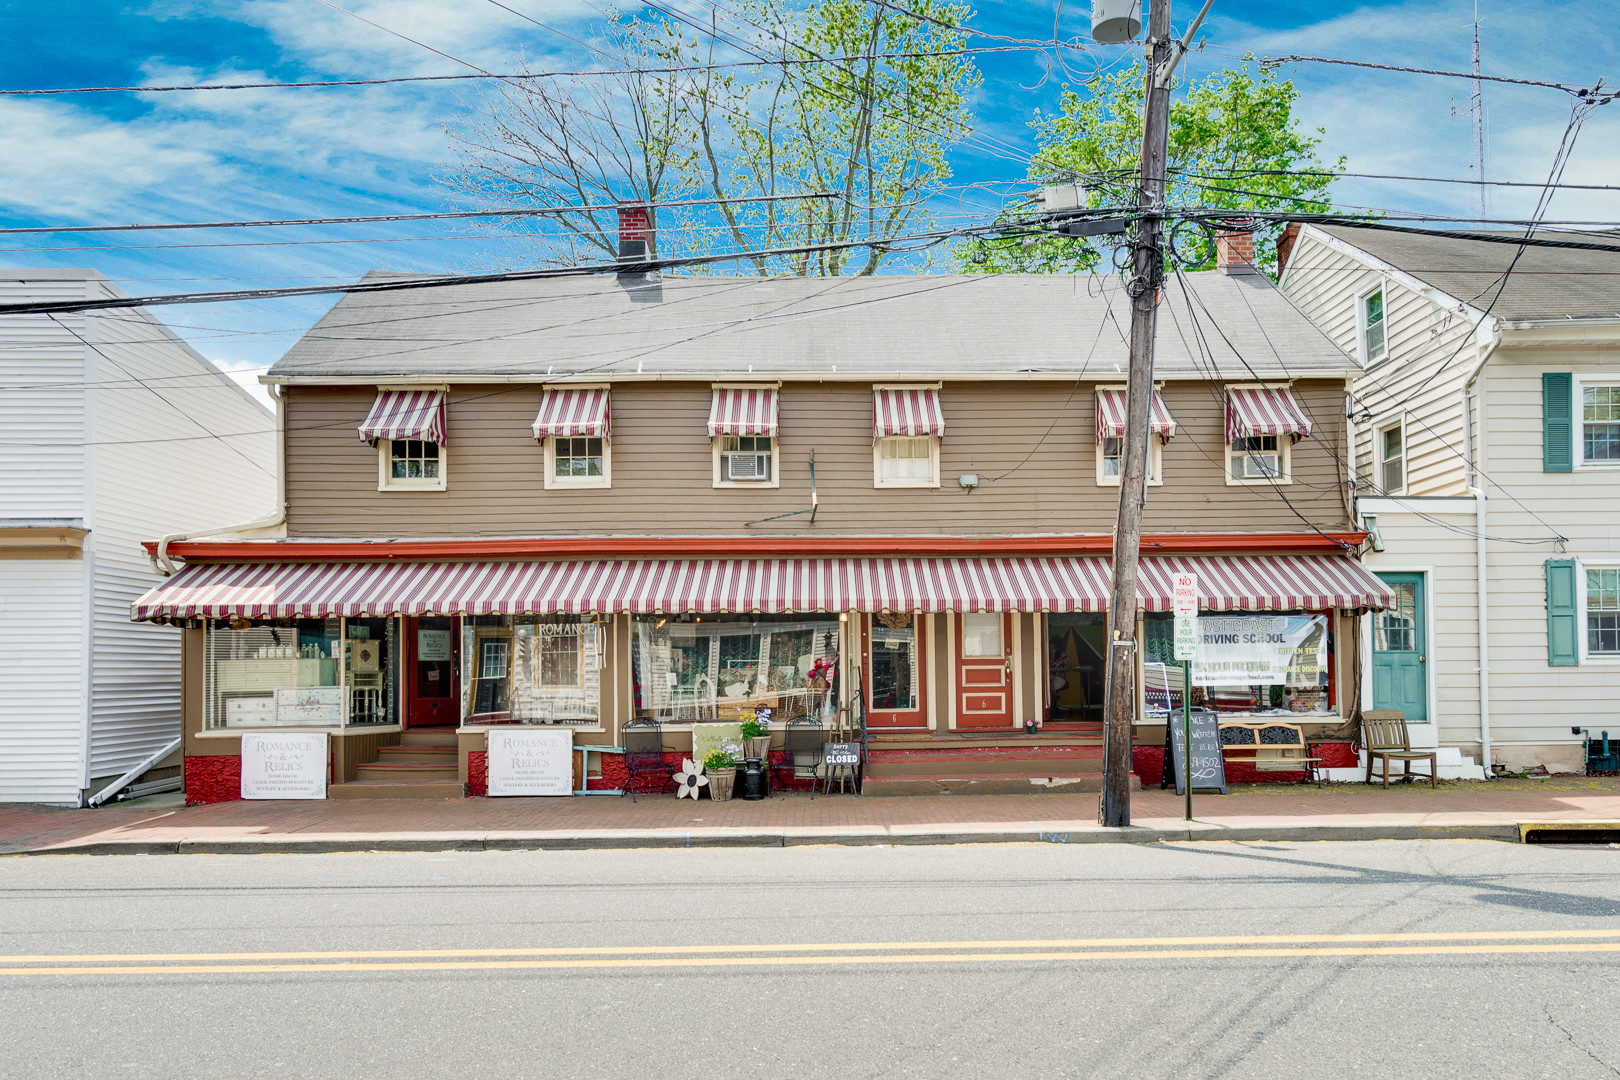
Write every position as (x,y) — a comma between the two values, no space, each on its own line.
(1373,344)
(907,461)
(747,459)
(1600,424)
(1391,447)
(1603,612)
(412,463)
(407,426)
(1257,457)
(743,424)
(577,461)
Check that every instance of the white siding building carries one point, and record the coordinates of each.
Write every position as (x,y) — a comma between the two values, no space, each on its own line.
(1487,463)
(114,431)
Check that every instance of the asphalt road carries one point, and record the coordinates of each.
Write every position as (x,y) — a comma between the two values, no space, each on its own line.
(1429,959)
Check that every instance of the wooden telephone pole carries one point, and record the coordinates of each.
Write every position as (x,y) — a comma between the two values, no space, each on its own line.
(1147,273)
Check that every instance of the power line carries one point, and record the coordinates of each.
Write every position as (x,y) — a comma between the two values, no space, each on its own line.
(1589,94)
(1239,174)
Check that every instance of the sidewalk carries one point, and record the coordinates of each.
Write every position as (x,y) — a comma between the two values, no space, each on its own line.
(1498,810)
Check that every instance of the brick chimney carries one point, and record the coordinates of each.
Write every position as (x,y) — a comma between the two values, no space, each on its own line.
(1285,245)
(1234,252)
(637,233)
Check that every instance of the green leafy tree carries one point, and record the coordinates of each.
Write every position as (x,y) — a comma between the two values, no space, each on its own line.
(1234,145)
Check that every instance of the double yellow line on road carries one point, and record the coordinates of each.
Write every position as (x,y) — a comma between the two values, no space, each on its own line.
(824,954)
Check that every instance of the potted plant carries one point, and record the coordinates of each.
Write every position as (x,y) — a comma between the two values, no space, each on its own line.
(721,769)
(756,734)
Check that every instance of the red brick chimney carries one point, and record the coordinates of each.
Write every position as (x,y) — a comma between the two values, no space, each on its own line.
(1285,245)
(637,233)
(1234,252)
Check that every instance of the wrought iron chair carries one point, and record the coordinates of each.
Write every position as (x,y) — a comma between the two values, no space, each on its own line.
(804,746)
(644,754)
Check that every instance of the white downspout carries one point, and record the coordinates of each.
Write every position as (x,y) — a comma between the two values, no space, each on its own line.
(1476,487)
(162,564)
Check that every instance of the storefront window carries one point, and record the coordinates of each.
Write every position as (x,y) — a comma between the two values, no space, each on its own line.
(1077,664)
(894,662)
(1273,664)
(298,673)
(711,667)
(530,669)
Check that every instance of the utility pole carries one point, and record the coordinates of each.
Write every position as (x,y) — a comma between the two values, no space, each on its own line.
(1147,274)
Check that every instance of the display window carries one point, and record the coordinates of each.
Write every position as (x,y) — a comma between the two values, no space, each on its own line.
(299,673)
(532,669)
(692,668)
(1253,663)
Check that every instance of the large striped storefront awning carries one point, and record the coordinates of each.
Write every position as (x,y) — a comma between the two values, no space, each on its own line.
(771,586)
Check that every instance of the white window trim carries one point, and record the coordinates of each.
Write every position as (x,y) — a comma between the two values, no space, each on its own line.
(877,464)
(1378,454)
(1578,424)
(748,485)
(1361,324)
(1285,466)
(1155,476)
(1581,567)
(386,482)
(555,482)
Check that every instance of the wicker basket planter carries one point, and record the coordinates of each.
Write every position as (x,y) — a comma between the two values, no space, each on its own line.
(720,784)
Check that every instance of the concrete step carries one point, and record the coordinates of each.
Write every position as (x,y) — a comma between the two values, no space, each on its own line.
(1059,760)
(396,770)
(955,740)
(409,788)
(984,784)
(424,755)
(445,736)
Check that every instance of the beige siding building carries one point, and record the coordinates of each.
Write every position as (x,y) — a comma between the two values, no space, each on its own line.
(1486,421)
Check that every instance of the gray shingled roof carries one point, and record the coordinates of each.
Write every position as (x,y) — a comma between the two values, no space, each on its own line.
(899,326)
(1546,283)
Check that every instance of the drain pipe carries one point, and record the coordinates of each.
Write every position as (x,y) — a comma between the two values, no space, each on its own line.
(162,564)
(1472,400)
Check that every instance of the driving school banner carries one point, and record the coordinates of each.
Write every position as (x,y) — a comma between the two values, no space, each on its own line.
(1261,650)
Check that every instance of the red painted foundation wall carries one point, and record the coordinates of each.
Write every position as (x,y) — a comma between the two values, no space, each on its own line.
(213,780)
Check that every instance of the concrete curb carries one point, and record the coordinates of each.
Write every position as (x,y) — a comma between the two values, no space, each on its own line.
(1292,831)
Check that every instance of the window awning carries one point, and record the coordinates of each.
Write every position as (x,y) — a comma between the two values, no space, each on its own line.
(906,411)
(1111,416)
(405,414)
(581,411)
(1262,411)
(321,590)
(743,410)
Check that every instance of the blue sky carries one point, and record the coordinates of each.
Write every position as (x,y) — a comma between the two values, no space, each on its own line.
(119,158)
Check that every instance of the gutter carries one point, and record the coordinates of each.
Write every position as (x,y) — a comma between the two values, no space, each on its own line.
(749,378)
(1476,488)
(158,554)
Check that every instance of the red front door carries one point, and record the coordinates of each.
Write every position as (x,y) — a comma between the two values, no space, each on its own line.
(431,679)
(984,697)
(896,672)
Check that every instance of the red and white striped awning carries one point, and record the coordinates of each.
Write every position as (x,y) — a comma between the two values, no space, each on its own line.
(739,410)
(321,590)
(1262,411)
(575,411)
(906,411)
(1111,416)
(405,414)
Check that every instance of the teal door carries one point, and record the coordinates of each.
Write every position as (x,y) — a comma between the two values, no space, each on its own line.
(1400,657)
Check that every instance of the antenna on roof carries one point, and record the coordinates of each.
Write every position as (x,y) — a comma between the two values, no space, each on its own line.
(1476,110)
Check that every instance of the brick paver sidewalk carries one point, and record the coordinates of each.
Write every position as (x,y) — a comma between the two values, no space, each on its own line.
(1347,809)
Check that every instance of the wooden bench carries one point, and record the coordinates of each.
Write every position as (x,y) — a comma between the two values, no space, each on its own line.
(1385,738)
(1270,747)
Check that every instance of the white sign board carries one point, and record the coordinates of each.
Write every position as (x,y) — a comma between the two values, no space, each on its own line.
(1261,650)
(284,766)
(1186,637)
(1184,587)
(531,761)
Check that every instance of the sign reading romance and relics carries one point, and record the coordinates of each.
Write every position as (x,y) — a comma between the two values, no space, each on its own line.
(531,761)
(284,766)
(1260,650)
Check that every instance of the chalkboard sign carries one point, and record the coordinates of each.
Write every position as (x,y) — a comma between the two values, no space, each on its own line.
(843,753)
(1208,766)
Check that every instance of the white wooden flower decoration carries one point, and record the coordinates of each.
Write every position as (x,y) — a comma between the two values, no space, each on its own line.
(690,779)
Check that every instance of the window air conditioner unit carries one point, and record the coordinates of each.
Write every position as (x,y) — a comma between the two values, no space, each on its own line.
(748,466)
(1261,466)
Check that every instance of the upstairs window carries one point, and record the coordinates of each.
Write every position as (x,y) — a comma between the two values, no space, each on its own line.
(1600,425)
(407,426)
(1603,612)
(743,424)
(412,463)
(907,461)
(574,424)
(747,459)
(579,461)
(1259,458)
(1372,326)
(1392,459)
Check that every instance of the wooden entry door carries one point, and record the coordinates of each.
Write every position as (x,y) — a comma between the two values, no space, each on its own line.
(896,671)
(984,693)
(431,672)
(1400,652)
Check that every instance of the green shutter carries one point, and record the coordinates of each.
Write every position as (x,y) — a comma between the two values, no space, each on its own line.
(1557,427)
(1563,625)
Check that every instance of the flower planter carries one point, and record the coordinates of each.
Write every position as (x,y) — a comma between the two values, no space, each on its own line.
(720,782)
(757,747)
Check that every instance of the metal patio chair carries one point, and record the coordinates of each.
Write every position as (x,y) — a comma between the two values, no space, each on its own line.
(644,754)
(804,745)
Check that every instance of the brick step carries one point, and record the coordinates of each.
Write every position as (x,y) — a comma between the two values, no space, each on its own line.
(427,755)
(984,784)
(429,737)
(408,788)
(933,764)
(877,741)
(396,770)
